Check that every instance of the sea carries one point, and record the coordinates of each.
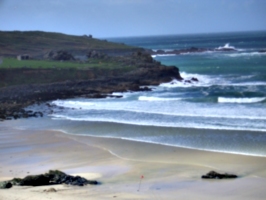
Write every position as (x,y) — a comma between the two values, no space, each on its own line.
(225,111)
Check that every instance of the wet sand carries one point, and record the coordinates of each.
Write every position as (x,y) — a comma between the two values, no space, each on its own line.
(169,172)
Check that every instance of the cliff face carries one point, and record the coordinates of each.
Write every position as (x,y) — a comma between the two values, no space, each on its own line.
(69,83)
(103,83)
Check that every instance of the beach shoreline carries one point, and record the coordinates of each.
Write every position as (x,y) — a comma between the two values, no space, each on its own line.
(168,172)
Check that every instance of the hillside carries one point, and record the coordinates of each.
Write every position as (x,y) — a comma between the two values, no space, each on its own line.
(37,43)
(37,80)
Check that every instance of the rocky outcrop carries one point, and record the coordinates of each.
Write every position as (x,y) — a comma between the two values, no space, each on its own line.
(59,55)
(141,59)
(96,54)
(189,50)
(215,175)
(135,70)
(51,178)
(14,99)
(5,185)
(8,112)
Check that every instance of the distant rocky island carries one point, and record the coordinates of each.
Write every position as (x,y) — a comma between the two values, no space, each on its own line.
(40,66)
(225,48)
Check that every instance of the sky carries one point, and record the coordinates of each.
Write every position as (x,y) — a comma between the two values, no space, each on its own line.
(115,18)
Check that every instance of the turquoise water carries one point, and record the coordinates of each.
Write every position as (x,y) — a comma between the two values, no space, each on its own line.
(225,111)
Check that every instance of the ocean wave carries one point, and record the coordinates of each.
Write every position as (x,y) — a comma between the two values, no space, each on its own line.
(73,104)
(161,55)
(146,98)
(198,53)
(209,80)
(182,115)
(247,54)
(241,100)
(161,124)
(248,84)
(173,142)
(203,81)
(165,50)
(226,47)
(159,107)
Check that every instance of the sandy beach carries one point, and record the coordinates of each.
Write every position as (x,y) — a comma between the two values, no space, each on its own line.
(168,172)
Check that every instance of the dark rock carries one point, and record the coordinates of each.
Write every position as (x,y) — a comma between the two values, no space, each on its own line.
(35,180)
(195,79)
(191,50)
(59,55)
(115,96)
(5,185)
(215,175)
(96,54)
(16,181)
(58,177)
(160,51)
(50,178)
(143,57)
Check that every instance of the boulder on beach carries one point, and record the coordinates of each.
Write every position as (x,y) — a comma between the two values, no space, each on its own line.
(5,185)
(50,178)
(216,175)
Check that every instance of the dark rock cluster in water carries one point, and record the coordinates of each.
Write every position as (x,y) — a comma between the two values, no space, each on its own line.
(191,50)
(51,178)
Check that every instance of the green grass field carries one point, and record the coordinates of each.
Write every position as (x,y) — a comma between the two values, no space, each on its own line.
(8,63)
(15,72)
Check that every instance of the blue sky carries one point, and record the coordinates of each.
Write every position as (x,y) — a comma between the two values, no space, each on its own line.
(110,18)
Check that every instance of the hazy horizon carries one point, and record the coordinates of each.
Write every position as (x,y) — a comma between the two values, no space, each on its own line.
(125,18)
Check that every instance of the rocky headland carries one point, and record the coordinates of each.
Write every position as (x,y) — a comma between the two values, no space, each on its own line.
(14,99)
(88,83)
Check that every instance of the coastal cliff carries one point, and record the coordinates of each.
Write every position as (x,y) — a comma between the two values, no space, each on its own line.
(38,80)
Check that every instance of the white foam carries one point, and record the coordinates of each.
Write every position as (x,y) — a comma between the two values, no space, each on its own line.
(174,83)
(165,50)
(203,81)
(240,100)
(146,98)
(161,55)
(73,104)
(123,94)
(220,113)
(233,55)
(249,84)
(196,53)
(155,124)
(226,47)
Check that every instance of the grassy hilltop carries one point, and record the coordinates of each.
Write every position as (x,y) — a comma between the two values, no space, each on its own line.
(37,43)
(37,70)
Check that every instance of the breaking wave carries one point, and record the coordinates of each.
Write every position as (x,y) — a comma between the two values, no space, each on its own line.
(247,54)
(146,98)
(241,100)
(226,47)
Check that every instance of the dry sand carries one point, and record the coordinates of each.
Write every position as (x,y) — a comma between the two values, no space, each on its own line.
(169,172)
